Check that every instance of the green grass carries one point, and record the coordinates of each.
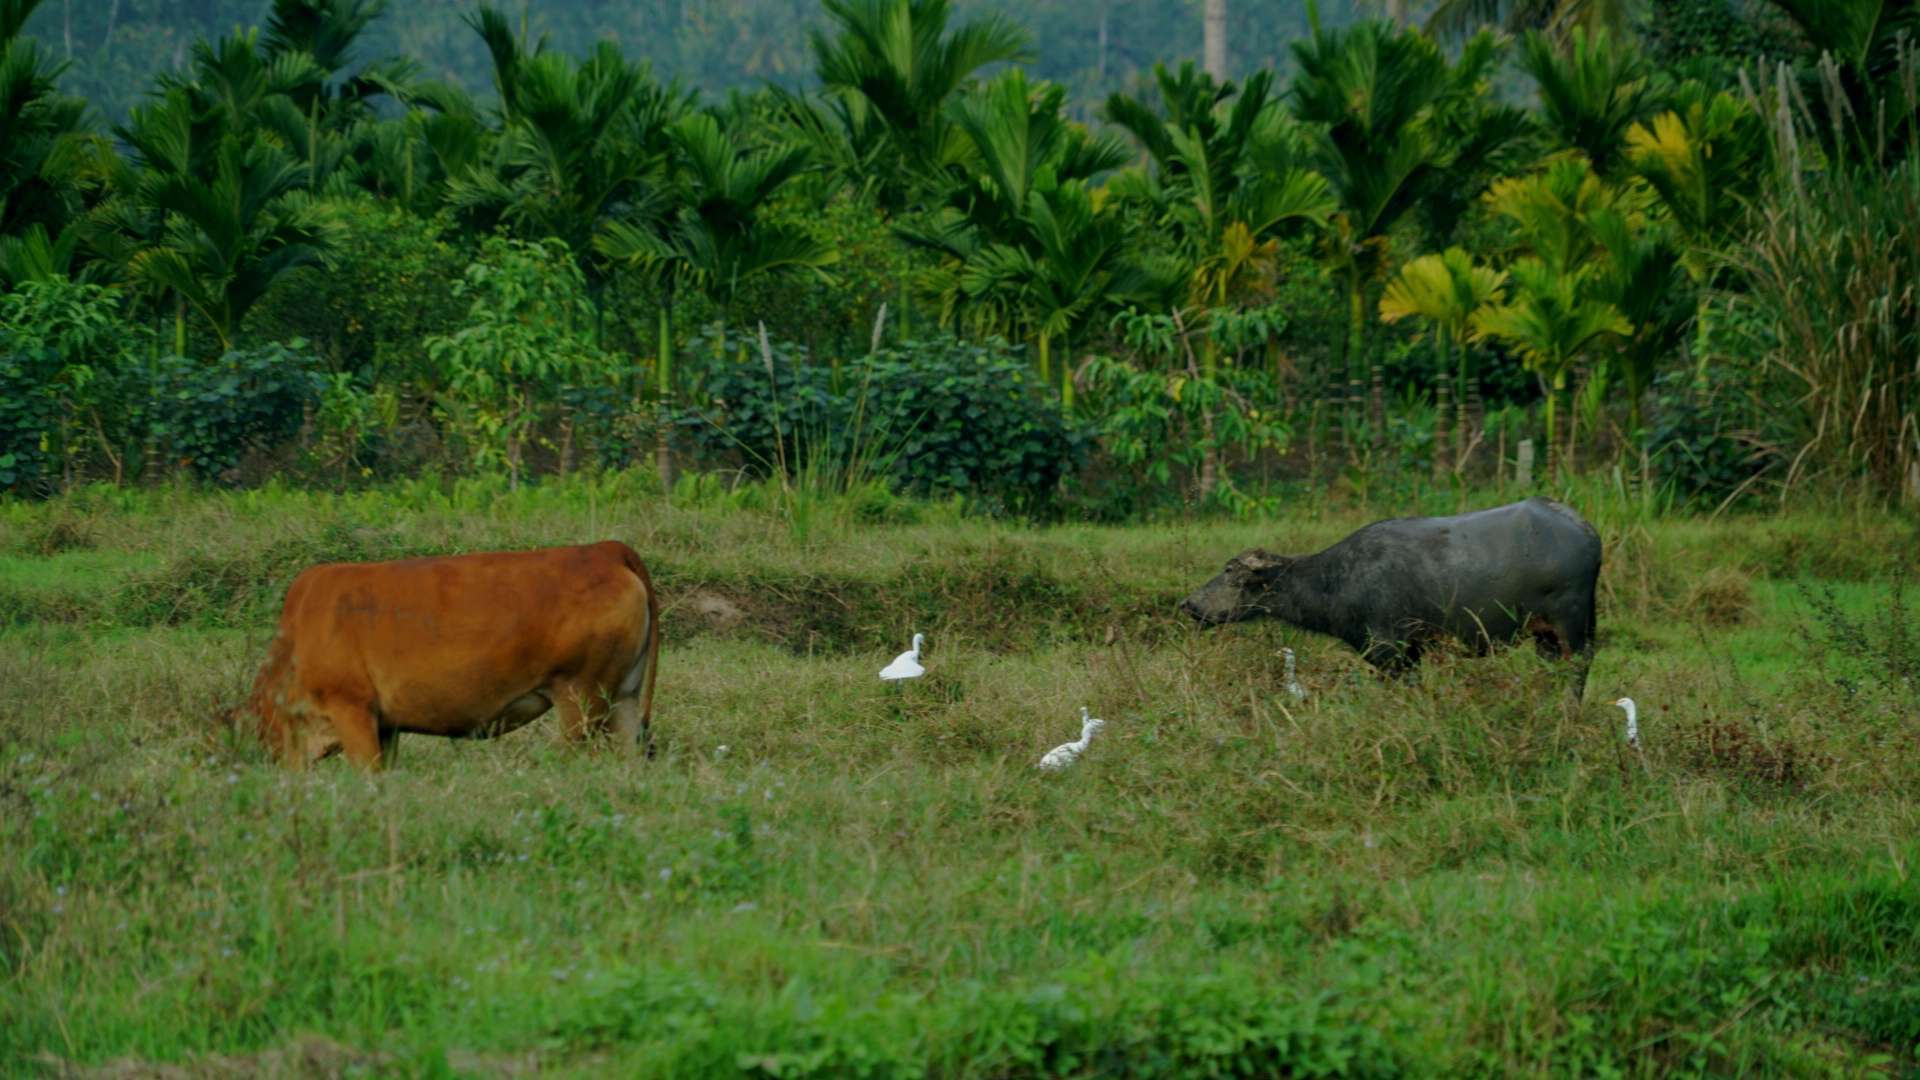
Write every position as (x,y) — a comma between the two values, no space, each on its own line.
(1460,874)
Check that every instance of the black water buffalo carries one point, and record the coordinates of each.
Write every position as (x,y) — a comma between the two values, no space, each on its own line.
(1483,578)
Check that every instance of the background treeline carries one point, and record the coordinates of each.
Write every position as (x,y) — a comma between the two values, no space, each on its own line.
(1672,241)
(116,48)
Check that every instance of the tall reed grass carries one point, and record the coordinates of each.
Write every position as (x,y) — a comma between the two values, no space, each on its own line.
(1831,274)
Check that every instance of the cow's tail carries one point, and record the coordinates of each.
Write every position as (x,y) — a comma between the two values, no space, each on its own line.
(641,677)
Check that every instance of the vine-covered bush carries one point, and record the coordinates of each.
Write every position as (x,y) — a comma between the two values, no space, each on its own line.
(64,349)
(528,335)
(203,416)
(391,282)
(1706,438)
(933,417)
(83,393)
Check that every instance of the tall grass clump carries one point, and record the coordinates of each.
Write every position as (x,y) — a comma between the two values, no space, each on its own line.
(1830,280)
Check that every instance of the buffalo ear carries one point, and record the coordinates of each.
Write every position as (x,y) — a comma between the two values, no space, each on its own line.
(1261,561)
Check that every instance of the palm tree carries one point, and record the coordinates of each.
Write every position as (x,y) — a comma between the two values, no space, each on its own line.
(216,227)
(1551,320)
(581,144)
(1012,263)
(1070,266)
(229,233)
(891,68)
(1642,276)
(47,153)
(1227,178)
(1447,290)
(1214,20)
(713,235)
(1379,102)
(1702,157)
(1591,93)
(707,231)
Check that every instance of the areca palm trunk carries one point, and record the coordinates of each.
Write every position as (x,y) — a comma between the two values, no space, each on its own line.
(1461,416)
(1553,428)
(1066,378)
(1356,349)
(1440,408)
(663,370)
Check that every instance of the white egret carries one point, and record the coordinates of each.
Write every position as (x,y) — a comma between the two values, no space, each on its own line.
(1633,721)
(907,664)
(1067,753)
(1298,692)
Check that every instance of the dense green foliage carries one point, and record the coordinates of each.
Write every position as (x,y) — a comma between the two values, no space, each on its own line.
(1459,874)
(937,418)
(1364,253)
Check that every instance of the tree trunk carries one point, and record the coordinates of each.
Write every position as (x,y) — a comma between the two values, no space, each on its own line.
(1379,401)
(1356,349)
(1460,417)
(1553,428)
(1397,12)
(1066,379)
(663,369)
(1216,39)
(1441,403)
(1209,459)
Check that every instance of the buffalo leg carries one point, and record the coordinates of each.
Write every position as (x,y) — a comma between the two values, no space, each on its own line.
(1567,637)
(1578,635)
(1391,654)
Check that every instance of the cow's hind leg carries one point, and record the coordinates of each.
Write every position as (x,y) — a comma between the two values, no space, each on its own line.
(630,725)
(633,700)
(586,714)
(583,713)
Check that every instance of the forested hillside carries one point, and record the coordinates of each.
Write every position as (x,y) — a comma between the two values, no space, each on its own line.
(1091,46)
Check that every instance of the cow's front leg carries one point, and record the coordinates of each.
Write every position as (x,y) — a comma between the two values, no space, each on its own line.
(361,738)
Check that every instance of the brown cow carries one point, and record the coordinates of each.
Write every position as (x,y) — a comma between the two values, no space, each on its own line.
(464,646)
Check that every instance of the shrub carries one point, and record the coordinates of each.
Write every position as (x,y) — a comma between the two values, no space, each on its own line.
(390,284)
(204,416)
(63,347)
(527,336)
(935,417)
(1706,437)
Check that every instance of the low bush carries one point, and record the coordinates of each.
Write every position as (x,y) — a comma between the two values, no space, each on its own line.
(934,417)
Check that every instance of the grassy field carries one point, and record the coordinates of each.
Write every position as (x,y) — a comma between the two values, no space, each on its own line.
(1463,874)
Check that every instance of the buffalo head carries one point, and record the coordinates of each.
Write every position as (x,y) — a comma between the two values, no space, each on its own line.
(1240,591)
